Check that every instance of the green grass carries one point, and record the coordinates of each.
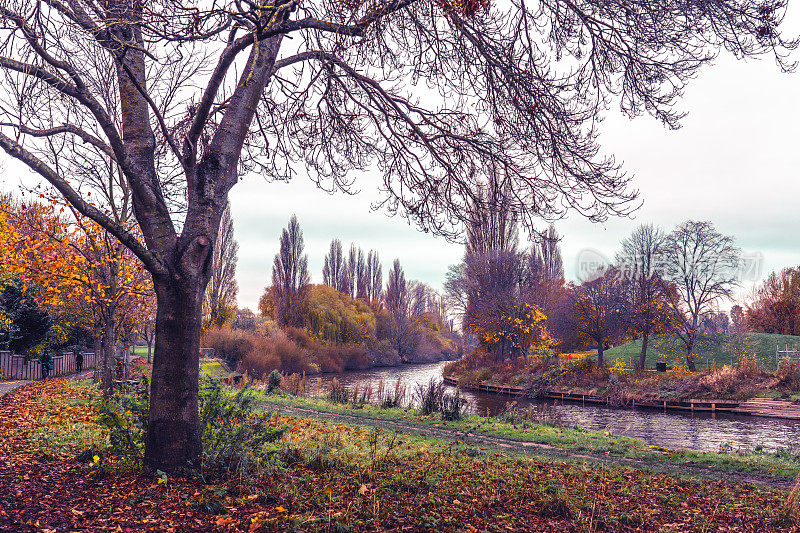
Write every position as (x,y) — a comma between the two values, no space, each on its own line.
(783,464)
(710,348)
(140,351)
(213,368)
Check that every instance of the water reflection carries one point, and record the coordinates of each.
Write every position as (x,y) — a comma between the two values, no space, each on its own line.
(702,432)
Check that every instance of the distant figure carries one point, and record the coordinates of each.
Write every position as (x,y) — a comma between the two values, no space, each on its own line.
(78,362)
(46,361)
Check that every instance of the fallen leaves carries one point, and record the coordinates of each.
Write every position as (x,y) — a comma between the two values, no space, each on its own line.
(425,488)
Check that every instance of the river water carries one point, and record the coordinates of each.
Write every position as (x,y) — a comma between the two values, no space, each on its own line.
(675,430)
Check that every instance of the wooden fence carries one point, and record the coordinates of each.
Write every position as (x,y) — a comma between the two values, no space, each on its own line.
(15,366)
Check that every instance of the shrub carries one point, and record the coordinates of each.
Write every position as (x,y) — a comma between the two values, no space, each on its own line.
(394,397)
(294,384)
(274,381)
(276,352)
(235,436)
(125,416)
(232,345)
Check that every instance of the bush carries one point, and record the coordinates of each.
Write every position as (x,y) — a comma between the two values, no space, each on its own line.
(125,416)
(393,397)
(277,352)
(232,345)
(235,436)
(429,397)
(274,381)
(294,384)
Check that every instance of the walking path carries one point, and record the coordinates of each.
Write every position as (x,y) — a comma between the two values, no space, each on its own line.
(8,386)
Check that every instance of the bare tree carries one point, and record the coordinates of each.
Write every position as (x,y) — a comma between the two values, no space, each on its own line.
(639,265)
(362,276)
(516,88)
(290,278)
(351,267)
(547,252)
(375,271)
(397,302)
(333,265)
(701,265)
(220,298)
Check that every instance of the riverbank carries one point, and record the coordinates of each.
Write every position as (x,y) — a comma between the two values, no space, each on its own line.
(763,407)
(710,389)
(330,476)
(520,430)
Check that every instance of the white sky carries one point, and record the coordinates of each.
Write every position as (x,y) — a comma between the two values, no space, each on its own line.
(735,162)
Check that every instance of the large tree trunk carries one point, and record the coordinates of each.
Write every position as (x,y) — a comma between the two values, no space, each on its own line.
(600,358)
(174,438)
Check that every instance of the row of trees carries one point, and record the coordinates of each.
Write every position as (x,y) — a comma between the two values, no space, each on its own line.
(659,283)
(406,310)
(358,275)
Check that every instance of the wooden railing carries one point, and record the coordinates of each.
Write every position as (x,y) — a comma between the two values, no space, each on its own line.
(15,367)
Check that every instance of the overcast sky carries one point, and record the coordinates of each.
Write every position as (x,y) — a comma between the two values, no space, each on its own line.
(735,162)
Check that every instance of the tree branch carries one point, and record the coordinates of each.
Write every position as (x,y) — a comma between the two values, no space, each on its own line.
(65,128)
(153,264)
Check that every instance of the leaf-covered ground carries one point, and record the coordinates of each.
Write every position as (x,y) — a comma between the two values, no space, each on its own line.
(339,478)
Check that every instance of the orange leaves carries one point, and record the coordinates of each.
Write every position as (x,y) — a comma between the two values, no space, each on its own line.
(75,262)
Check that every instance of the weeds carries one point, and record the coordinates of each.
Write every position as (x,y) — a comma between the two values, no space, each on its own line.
(337,394)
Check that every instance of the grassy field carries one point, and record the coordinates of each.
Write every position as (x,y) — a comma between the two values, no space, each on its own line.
(710,348)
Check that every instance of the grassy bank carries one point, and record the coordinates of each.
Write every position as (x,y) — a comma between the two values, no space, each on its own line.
(521,426)
(326,476)
(715,349)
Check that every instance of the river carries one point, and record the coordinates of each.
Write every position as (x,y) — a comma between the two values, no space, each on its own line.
(675,430)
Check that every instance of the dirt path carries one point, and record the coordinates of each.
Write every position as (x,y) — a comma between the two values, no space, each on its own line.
(529,448)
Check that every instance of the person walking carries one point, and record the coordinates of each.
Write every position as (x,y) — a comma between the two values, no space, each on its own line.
(46,360)
(78,361)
